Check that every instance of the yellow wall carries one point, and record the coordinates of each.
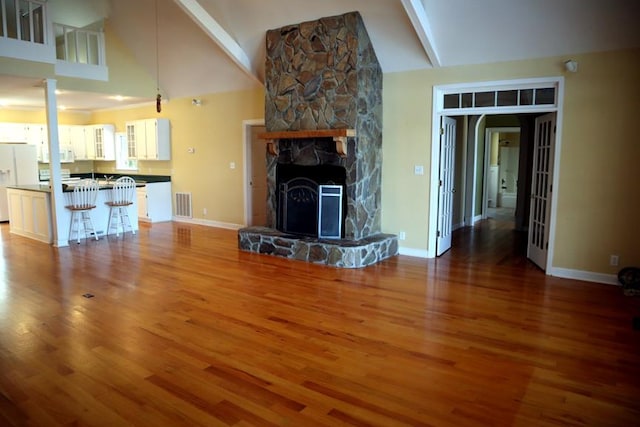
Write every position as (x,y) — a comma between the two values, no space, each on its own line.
(214,130)
(40,116)
(599,192)
(126,76)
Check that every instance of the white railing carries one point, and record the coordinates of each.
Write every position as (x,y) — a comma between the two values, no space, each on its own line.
(78,45)
(23,20)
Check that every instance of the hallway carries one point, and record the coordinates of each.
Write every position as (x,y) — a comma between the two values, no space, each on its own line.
(492,241)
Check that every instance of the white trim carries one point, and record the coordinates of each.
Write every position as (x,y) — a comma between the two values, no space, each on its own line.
(476,146)
(208,223)
(27,51)
(215,32)
(246,168)
(556,175)
(456,226)
(477,218)
(418,253)
(82,71)
(438,111)
(587,276)
(420,20)
(435,176)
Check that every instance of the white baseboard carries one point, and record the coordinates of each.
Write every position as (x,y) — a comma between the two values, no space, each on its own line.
(476,219)
(587,276)
(419,253)
(208,223)
(456,226)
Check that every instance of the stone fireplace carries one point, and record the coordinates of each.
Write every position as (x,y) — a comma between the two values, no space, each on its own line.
(323,116)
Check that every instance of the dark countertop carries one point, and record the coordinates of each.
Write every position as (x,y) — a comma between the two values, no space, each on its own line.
(114,176)
(44,188)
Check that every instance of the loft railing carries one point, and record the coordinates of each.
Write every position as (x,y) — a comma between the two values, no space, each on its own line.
(78,45)
(23,20)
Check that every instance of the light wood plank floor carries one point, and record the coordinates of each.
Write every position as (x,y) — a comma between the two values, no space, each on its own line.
(185,330)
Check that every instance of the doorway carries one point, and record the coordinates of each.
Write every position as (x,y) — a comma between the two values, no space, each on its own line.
(499,98)
(255,174)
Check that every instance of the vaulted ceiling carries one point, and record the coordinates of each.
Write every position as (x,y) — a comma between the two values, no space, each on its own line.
(209,46)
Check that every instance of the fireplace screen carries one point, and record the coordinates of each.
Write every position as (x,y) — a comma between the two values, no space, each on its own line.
(310,200)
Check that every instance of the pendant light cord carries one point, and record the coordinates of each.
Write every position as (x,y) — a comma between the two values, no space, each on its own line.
(158,96)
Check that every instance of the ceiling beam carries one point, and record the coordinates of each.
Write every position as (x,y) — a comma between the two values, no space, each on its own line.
(218,34)
(418,16)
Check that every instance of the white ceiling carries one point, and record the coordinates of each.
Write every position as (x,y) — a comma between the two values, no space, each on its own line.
(460,32)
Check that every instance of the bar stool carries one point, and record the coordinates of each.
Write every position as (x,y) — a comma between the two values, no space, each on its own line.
(121,197)
(82,201)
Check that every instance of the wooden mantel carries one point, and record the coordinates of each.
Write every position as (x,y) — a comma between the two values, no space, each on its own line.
(339,137)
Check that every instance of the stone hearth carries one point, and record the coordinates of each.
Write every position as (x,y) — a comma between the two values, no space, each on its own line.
(321,77)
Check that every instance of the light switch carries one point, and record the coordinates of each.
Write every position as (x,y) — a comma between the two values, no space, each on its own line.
(232,165)
(418,170)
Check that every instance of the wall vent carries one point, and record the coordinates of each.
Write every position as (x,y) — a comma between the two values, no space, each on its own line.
(183,205)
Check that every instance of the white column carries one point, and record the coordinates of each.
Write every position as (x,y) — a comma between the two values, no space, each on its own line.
(60,237)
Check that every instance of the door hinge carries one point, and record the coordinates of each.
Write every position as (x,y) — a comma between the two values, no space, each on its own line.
(441,183)
(547,246)
(441,131)
(438,233)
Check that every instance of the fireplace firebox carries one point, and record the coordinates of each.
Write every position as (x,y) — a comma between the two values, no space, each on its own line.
(300,203)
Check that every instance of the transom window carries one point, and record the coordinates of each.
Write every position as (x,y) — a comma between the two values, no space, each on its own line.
(463,100)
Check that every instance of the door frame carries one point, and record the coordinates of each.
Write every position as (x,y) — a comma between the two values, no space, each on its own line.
(487,161)
(246,167)
(437,111)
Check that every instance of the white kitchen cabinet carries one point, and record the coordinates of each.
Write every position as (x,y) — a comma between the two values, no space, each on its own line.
(149,139)
(75,136)
(37,134)
(102,137)
(154,202)
(134,131)
(13,132)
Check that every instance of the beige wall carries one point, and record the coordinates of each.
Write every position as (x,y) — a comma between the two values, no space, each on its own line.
(599,194)
(215,131)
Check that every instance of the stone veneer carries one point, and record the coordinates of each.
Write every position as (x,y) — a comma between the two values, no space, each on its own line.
(324,74)
(335,253)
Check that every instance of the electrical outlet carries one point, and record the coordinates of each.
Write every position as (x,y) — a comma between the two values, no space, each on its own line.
(232,165)
(418,170)
(402,235)
(613,260)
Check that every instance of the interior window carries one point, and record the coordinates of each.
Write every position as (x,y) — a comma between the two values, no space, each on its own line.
(123,162)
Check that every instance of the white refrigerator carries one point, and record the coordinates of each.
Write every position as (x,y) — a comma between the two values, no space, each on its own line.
(18,166)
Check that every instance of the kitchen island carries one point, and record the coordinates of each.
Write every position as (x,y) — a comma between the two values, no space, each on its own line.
(30,212)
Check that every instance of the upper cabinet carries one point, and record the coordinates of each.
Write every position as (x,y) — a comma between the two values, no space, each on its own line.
(14,132)
(149,139)
(103,141)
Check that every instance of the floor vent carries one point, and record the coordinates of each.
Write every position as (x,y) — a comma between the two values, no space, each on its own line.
(183,205)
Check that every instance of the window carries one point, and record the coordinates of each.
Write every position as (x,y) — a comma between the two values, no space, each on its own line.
(123,162)
(507,97)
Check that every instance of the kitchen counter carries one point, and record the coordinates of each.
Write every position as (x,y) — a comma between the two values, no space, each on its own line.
(30,213)
(114,176)
(45,188)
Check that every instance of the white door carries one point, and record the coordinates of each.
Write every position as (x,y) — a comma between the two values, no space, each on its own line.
(445,197)
(258,182)
(543,149)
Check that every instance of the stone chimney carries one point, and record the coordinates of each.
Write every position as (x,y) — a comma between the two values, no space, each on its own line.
(324,75)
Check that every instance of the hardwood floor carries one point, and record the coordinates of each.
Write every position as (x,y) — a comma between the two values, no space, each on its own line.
(185,330)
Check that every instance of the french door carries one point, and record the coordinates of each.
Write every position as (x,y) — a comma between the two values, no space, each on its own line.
(541,189)
(446,189)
